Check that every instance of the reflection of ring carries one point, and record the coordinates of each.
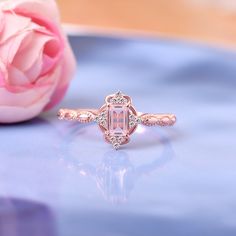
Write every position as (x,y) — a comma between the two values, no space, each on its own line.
(115,173)
(117,118)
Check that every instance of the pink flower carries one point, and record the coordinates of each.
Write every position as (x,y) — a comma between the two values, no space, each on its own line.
(36,62)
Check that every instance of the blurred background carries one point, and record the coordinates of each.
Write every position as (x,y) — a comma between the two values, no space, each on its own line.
(166,54)
(208,21)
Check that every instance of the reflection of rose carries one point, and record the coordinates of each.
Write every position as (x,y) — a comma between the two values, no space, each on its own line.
(36,62)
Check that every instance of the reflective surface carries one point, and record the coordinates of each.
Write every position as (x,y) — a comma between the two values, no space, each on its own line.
(22,217)
(166,181)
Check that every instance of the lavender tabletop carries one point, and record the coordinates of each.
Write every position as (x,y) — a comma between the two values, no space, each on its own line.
(62,179)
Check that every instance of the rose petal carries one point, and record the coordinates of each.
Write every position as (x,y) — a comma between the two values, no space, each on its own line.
(36,46)
(10,48)
(48,63)
(31,76)
(16,77)
(35,71)
(2,22)
(19,22)
(8,98)
(47,8)
(68,69)
(3,74)
(14,114)
(32,95)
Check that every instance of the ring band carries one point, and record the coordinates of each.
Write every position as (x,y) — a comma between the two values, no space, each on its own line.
(117,118)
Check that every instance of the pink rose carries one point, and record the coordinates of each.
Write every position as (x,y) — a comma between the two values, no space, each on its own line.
(36,62)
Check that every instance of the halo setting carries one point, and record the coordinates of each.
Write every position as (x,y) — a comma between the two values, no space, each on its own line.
(117,118)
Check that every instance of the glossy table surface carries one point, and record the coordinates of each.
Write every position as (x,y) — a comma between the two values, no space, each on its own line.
(60,178)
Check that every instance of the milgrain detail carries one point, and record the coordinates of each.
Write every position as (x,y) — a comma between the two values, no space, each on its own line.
(80,115)
(158,119)
(117,118)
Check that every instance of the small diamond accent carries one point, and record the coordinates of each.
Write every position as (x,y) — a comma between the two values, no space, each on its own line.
(118,99)
(60,115)
(101,119)
(70,115)
(116,145)
(134,120)
(116,141)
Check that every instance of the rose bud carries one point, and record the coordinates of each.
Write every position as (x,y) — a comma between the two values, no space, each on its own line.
(36,61)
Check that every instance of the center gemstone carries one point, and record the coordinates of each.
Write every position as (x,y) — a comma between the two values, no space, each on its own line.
(118,120)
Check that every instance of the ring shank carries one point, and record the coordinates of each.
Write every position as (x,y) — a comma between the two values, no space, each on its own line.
(149,119)
(89,115)
(80,115)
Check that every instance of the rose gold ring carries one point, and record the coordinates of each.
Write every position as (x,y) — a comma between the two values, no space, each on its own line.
(117,118)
